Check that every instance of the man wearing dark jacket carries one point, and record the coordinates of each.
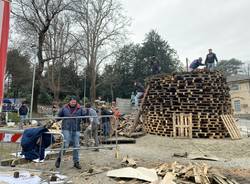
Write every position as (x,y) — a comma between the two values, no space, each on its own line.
(210,60)
(71,129)
(92,129)
(105,121)
(139,92)
(155,66)
(195,64)
(22,111)
(34,142)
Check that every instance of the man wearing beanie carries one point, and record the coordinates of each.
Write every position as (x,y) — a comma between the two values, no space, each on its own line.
(71,129)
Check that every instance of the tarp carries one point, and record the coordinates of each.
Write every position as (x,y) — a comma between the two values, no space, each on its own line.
(25,178)
(4,34)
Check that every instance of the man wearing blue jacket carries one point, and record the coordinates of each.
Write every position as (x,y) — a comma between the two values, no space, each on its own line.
(195,64)
(71,129)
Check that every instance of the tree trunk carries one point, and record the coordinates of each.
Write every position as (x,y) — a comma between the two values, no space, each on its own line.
(57,91)
(39,71)
(112,92)
(93,85)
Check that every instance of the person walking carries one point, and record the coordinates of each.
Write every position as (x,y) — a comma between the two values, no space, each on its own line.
(71,129)
(210,60)
(139,92)
(23,112)
(92,129)
(106,121)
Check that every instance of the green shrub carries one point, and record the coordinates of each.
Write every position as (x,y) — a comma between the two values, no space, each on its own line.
(13,116)
(45,98)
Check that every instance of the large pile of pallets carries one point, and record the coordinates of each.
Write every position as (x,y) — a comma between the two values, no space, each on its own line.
(203,94)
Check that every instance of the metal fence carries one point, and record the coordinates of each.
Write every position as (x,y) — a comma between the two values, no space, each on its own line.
(12,138)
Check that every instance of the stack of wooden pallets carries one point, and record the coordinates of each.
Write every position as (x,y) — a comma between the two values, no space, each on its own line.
(203,94)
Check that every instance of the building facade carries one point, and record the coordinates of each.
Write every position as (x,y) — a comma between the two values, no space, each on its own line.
(240,94)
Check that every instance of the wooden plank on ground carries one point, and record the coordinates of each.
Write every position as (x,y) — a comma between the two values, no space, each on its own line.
(19,161)
(120,140)
(197,177)
(168,178)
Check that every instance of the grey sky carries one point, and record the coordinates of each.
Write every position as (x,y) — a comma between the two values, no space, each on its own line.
(193,26)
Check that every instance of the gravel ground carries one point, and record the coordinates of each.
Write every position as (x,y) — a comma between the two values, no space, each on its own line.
(150,151)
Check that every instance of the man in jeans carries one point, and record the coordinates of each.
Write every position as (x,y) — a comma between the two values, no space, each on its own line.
(71,129)
(106,121)
(22,111)
(92,129)
(210,60)
(139,92)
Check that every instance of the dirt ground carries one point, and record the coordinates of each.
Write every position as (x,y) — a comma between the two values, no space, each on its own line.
(150,151)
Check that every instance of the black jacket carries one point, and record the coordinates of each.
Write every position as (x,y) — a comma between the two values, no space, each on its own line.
(105,113)
(211,57)
(23,110)
(139,87)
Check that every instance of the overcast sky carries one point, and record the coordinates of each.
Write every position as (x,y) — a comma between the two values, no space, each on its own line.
(193,26)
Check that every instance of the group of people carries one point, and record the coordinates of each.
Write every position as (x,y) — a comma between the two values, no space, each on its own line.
(211,58)
(73,115)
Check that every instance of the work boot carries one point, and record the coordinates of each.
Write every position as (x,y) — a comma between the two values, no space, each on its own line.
(77,165)
(58,162)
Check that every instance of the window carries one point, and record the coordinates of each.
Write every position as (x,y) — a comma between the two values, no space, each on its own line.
(235,87)
(237,105)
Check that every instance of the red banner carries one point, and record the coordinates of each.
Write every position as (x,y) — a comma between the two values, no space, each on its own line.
(4,35)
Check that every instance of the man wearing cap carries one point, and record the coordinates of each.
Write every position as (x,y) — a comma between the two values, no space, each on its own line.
(71,129)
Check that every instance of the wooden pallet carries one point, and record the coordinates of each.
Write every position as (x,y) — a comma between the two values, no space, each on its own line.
(231,126)
(182,125)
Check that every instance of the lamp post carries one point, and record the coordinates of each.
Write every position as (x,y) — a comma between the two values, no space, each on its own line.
(84,89)
(32,92)
(33,83)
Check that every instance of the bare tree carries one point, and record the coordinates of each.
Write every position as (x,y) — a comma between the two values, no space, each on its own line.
(33,19)
(60,45)
(102,27)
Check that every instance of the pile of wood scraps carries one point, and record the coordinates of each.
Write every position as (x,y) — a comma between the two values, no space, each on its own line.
(125,126)
(192,173)
(173,173)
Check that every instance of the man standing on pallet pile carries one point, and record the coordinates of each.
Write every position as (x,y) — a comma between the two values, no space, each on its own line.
(155,66)
(71,129)
(210,60)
